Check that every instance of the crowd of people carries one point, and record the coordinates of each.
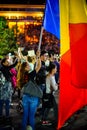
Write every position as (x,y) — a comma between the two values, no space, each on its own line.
(16,71)
(30,39)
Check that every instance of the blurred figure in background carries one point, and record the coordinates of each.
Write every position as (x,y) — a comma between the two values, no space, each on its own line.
(53,59)
(6,89)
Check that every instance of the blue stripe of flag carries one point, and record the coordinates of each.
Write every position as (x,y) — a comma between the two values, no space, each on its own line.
(51,21)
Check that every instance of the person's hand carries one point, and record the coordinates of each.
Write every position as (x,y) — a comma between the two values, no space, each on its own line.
(16,54)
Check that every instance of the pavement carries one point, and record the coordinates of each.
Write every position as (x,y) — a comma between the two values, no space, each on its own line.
(77,122)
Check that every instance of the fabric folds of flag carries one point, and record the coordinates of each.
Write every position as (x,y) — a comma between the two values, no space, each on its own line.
(73,72)
(51,17)
(78,43)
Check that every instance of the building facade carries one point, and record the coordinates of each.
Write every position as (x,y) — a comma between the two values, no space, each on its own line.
(28,19)
(22,15)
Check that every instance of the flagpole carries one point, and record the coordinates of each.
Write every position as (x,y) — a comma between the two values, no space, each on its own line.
(40,40)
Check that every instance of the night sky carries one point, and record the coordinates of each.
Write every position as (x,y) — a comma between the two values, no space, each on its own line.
(22,2)
(35,2)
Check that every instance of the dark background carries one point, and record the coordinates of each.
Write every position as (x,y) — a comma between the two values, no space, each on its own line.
(35,2)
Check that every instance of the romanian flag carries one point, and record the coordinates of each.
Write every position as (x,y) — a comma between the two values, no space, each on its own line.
(73,64)
(51,17)
(72,31)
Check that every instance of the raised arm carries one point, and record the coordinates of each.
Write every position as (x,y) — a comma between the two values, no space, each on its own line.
(38,61)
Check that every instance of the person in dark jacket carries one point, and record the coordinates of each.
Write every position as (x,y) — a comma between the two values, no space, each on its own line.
(41,77)
(6,88)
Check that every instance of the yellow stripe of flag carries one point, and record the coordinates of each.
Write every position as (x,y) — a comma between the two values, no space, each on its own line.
(78,11)
(64,27)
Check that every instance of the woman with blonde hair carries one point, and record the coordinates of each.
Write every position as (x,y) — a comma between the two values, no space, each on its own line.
(29,102)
